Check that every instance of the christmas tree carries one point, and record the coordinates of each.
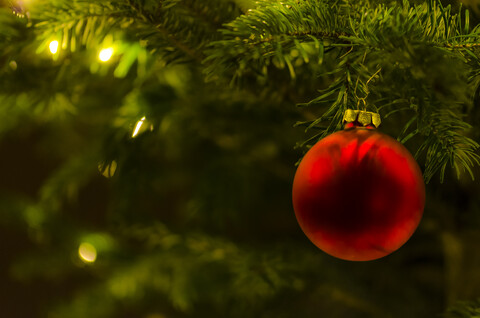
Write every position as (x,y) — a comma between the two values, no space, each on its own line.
(148,150)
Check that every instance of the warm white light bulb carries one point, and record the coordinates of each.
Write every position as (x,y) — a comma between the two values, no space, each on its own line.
(105,54)
(138,126)
(13,65)
(87,252)
(53,46)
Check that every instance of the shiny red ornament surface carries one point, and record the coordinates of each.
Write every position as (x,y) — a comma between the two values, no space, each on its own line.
(358,194)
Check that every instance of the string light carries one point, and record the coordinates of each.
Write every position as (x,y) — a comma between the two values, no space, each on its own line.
(105,54)
(13,65)
(53,46)
(87,252)
(138,126)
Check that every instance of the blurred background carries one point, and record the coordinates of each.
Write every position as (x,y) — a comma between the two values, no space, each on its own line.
(130,187)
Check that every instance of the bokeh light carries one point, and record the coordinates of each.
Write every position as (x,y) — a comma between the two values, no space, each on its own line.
(87,252)
(138,126)
(53,46)
(105,54)
(13,65)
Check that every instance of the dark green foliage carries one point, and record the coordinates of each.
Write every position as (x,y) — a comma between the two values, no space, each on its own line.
(173,29)
(464,310)
(196,219)
(405,41)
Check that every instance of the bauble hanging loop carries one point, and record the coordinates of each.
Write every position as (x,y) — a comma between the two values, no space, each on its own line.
(358,194)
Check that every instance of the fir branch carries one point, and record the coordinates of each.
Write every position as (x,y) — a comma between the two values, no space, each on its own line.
(273,30)
(246,5)
(270,33)
(186,26)
(351,84)
(293,33)
(150,22)
(167,265)
(14,36)
(80,22)
(464,309)
(444,144)
(174,30)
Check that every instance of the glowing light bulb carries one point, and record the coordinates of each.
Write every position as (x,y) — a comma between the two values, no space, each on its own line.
(105,54)
(138,126)
(53,46)
(13,65)
(87,252)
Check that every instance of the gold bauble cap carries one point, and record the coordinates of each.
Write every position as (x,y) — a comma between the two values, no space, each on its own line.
(361,118)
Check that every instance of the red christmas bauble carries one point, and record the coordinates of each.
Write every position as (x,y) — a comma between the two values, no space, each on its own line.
(358,194)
